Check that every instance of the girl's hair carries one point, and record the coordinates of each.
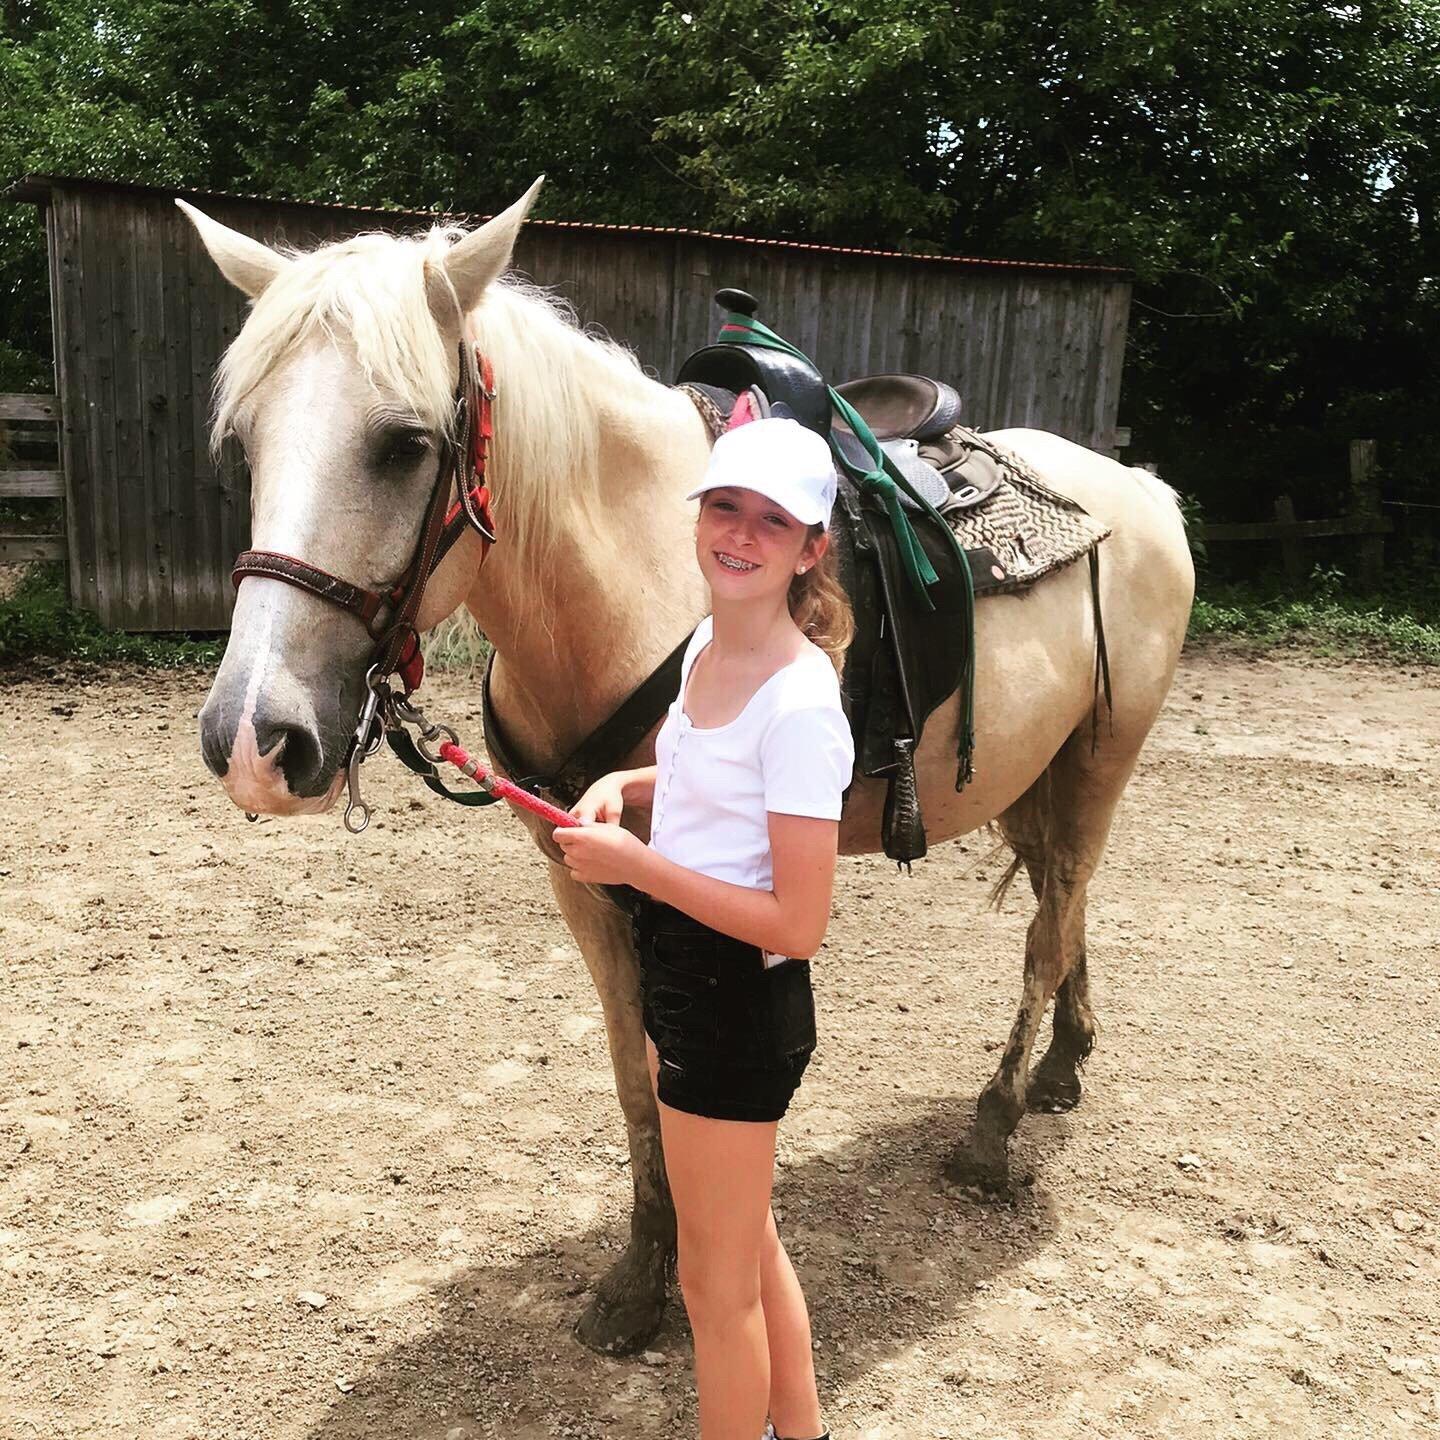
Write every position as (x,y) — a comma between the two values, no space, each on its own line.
(821,608)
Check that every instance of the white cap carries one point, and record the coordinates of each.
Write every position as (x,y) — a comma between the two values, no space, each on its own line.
(779,459)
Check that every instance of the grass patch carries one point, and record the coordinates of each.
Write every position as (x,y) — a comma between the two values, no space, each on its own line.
(456,645)
(37,622)
(1402,624)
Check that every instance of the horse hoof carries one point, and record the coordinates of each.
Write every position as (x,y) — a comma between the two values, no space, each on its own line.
(1053,1094)
(989,1180)
(625,1315)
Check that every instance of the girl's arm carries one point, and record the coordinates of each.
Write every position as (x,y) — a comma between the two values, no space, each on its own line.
(788,920)
(638,786)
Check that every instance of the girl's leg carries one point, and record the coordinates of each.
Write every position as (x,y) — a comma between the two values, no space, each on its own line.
(729,1383)
(794,1403)
(720,1173)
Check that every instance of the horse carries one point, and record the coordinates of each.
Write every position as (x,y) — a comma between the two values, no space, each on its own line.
(341,387)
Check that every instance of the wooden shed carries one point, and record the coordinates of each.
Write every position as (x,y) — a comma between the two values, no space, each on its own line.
(141,318)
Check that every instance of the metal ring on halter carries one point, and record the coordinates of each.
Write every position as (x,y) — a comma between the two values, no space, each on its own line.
(410,714)
(357,812)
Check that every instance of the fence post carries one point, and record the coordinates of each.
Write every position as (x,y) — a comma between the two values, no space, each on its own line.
(1365,505)
(1291,554)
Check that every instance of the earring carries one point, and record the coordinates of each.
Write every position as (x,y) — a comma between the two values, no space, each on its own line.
(802,569)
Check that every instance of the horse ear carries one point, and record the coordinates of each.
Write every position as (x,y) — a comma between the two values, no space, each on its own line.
(247,264)
(483,255)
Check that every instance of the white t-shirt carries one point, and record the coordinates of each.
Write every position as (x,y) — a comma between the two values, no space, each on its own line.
(789,750)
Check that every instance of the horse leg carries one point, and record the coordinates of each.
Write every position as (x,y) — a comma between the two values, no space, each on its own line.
(629,1300)
(982,1158)
(1058,829)
(1055,1081)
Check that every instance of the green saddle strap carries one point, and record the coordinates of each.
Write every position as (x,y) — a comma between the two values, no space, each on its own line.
(884,480)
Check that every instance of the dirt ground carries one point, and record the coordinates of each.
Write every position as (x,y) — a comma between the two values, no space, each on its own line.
(303,1135)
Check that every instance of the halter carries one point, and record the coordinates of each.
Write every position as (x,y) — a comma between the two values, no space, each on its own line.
(389,614)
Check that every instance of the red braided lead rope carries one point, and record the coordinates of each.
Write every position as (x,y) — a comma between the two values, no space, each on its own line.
(496,785)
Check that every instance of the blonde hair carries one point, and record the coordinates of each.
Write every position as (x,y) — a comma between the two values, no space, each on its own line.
(821,608)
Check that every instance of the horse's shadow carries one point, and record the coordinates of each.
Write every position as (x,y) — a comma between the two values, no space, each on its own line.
(886,1253)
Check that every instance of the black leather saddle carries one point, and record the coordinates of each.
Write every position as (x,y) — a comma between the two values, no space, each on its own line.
(781,378)
(910,654)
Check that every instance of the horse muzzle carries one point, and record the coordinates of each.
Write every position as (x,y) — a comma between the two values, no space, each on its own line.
(276,741)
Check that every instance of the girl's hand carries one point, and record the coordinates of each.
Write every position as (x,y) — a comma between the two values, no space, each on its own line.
(604,801)
(601,854)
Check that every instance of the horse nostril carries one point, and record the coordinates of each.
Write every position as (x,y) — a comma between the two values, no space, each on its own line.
(300,758)
(217,737)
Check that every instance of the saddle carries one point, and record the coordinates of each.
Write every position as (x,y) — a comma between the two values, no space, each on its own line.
(912,650)
(917,422)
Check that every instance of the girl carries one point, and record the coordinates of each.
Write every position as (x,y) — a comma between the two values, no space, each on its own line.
(751,764)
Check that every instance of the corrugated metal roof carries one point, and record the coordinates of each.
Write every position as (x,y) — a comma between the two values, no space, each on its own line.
(36,189)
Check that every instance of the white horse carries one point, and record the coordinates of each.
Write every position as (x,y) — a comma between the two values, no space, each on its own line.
(340,387)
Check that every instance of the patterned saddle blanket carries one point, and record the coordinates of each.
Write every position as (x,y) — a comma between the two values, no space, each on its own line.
(1022,530)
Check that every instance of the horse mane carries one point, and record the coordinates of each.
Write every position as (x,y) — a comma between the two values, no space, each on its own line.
(371,288)
(552,377)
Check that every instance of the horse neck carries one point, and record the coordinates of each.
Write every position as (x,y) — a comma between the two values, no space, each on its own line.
(575,631)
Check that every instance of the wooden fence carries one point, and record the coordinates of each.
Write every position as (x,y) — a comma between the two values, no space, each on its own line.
(1363,520)
(23,479)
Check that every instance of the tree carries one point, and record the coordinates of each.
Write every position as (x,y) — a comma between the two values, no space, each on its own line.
(1265,169)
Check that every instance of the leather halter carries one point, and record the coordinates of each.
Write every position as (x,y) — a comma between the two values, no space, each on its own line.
(389,614)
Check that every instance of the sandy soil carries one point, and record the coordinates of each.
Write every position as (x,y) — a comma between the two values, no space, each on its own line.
(304,1135)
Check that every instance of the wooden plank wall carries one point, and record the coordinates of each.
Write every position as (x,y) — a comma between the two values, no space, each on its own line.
(142,317)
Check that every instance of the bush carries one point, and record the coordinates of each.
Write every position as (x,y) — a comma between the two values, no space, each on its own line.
(1401,624)
(38,622)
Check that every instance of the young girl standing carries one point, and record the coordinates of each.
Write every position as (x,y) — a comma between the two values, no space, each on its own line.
(751,764)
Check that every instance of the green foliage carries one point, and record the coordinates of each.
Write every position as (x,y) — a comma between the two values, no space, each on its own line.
(1402,625)
(1193,513)
(1267,169)
(37,623)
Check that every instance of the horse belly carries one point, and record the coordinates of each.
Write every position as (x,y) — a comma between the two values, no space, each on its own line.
(1006,765)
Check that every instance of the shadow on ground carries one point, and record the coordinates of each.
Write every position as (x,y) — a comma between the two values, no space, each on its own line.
(887,1254)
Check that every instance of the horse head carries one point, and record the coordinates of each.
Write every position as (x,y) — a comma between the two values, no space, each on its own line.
(340,388)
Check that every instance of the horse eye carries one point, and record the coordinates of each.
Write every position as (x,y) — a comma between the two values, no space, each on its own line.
(403,447)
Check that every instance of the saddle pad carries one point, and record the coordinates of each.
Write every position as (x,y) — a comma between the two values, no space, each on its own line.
(1030,529)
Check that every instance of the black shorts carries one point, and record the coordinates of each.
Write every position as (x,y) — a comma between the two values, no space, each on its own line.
(733,1037)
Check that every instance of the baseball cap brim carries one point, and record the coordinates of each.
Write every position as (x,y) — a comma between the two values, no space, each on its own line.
(792,499)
